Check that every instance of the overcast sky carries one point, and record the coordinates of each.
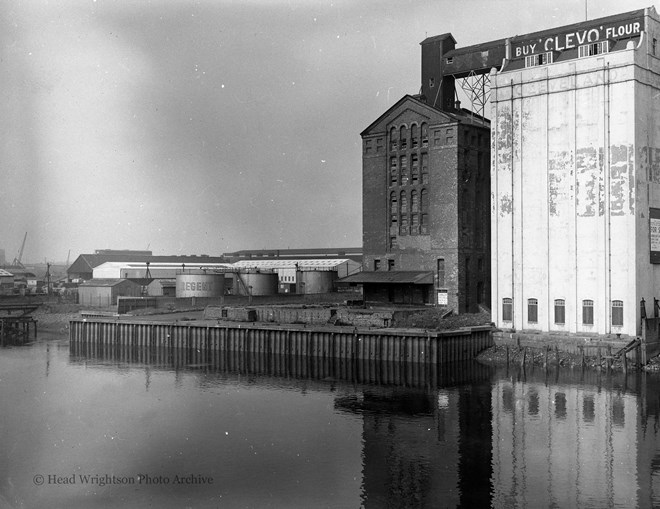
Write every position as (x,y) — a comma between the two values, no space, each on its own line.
(207,126)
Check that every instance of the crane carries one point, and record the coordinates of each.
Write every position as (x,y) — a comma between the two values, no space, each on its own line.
(17,260)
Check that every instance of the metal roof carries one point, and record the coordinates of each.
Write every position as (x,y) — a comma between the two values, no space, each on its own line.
(105,282)
(292,264)
(391,277)
(4,273)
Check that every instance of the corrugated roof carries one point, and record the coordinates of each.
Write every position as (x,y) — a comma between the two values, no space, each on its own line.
(104,282)
(391,277)
(291,264)
(87,262)
(4,273)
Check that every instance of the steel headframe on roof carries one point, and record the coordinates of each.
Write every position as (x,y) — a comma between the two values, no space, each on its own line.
(477,88)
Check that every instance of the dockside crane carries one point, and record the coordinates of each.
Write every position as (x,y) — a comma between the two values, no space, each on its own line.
(17,260)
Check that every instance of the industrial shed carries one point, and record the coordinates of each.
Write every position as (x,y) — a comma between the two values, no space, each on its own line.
(104,292)
(6,282)
(400,287)
(291,273)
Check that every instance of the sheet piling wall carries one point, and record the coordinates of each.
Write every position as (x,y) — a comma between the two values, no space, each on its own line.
(332,342)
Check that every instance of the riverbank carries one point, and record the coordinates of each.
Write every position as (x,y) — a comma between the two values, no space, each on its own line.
(501,355)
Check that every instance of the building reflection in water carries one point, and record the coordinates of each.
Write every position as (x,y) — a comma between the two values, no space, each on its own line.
(576,442)
(465,435)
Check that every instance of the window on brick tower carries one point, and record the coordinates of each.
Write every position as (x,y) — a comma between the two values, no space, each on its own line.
(414,139)
(423,207)
(414,201)
(403,137)
(425,134)
(393,139)
(425,168)
(414,170)
(394,172)
(404,170)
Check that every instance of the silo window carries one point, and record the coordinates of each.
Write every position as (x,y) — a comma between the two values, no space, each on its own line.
(560,311)
(540,59)
(596,48)
(532,310)
(587,312)
(507,309)
(450,60)
(617,313)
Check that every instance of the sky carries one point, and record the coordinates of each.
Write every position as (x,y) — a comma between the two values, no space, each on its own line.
(210,126)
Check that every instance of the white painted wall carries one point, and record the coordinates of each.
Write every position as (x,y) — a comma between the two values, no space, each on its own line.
(570,193)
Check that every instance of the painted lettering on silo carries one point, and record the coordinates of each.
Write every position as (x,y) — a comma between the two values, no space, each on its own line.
(199,285)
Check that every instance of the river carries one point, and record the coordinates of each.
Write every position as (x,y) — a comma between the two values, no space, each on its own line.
(106,429)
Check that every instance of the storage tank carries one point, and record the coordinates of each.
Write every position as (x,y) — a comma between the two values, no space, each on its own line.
(200,284)
(315,281)
(262,283)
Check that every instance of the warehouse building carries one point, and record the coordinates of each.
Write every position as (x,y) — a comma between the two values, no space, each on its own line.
(83,267)
(576,176)
(304,275)
(104,292)
(425,211)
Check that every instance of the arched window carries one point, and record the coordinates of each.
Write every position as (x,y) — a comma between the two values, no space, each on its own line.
(423,207)
(393,139)
(404,170)
(425,168)
(404,203)
(394,209)
(394,171)
(414,169)
(414,201)
(414,139)
(403,137)
(425,135)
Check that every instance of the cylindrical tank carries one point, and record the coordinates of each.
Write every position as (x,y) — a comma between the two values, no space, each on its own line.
(258,283)
(315,281)
(200,284)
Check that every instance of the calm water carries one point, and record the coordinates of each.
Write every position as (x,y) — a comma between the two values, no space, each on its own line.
(88,429)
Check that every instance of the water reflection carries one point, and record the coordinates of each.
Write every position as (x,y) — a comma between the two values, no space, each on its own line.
(422,428)
(297,432)
(573,439)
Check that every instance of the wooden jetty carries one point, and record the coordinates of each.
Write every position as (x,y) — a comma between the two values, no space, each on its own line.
(15,322)
(410,345)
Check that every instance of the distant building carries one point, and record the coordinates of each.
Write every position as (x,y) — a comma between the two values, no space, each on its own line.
(83,267)
(104,292)
(352,253)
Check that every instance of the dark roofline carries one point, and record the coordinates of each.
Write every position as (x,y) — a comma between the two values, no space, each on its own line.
(550,31)
(440,37)
(401,101)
